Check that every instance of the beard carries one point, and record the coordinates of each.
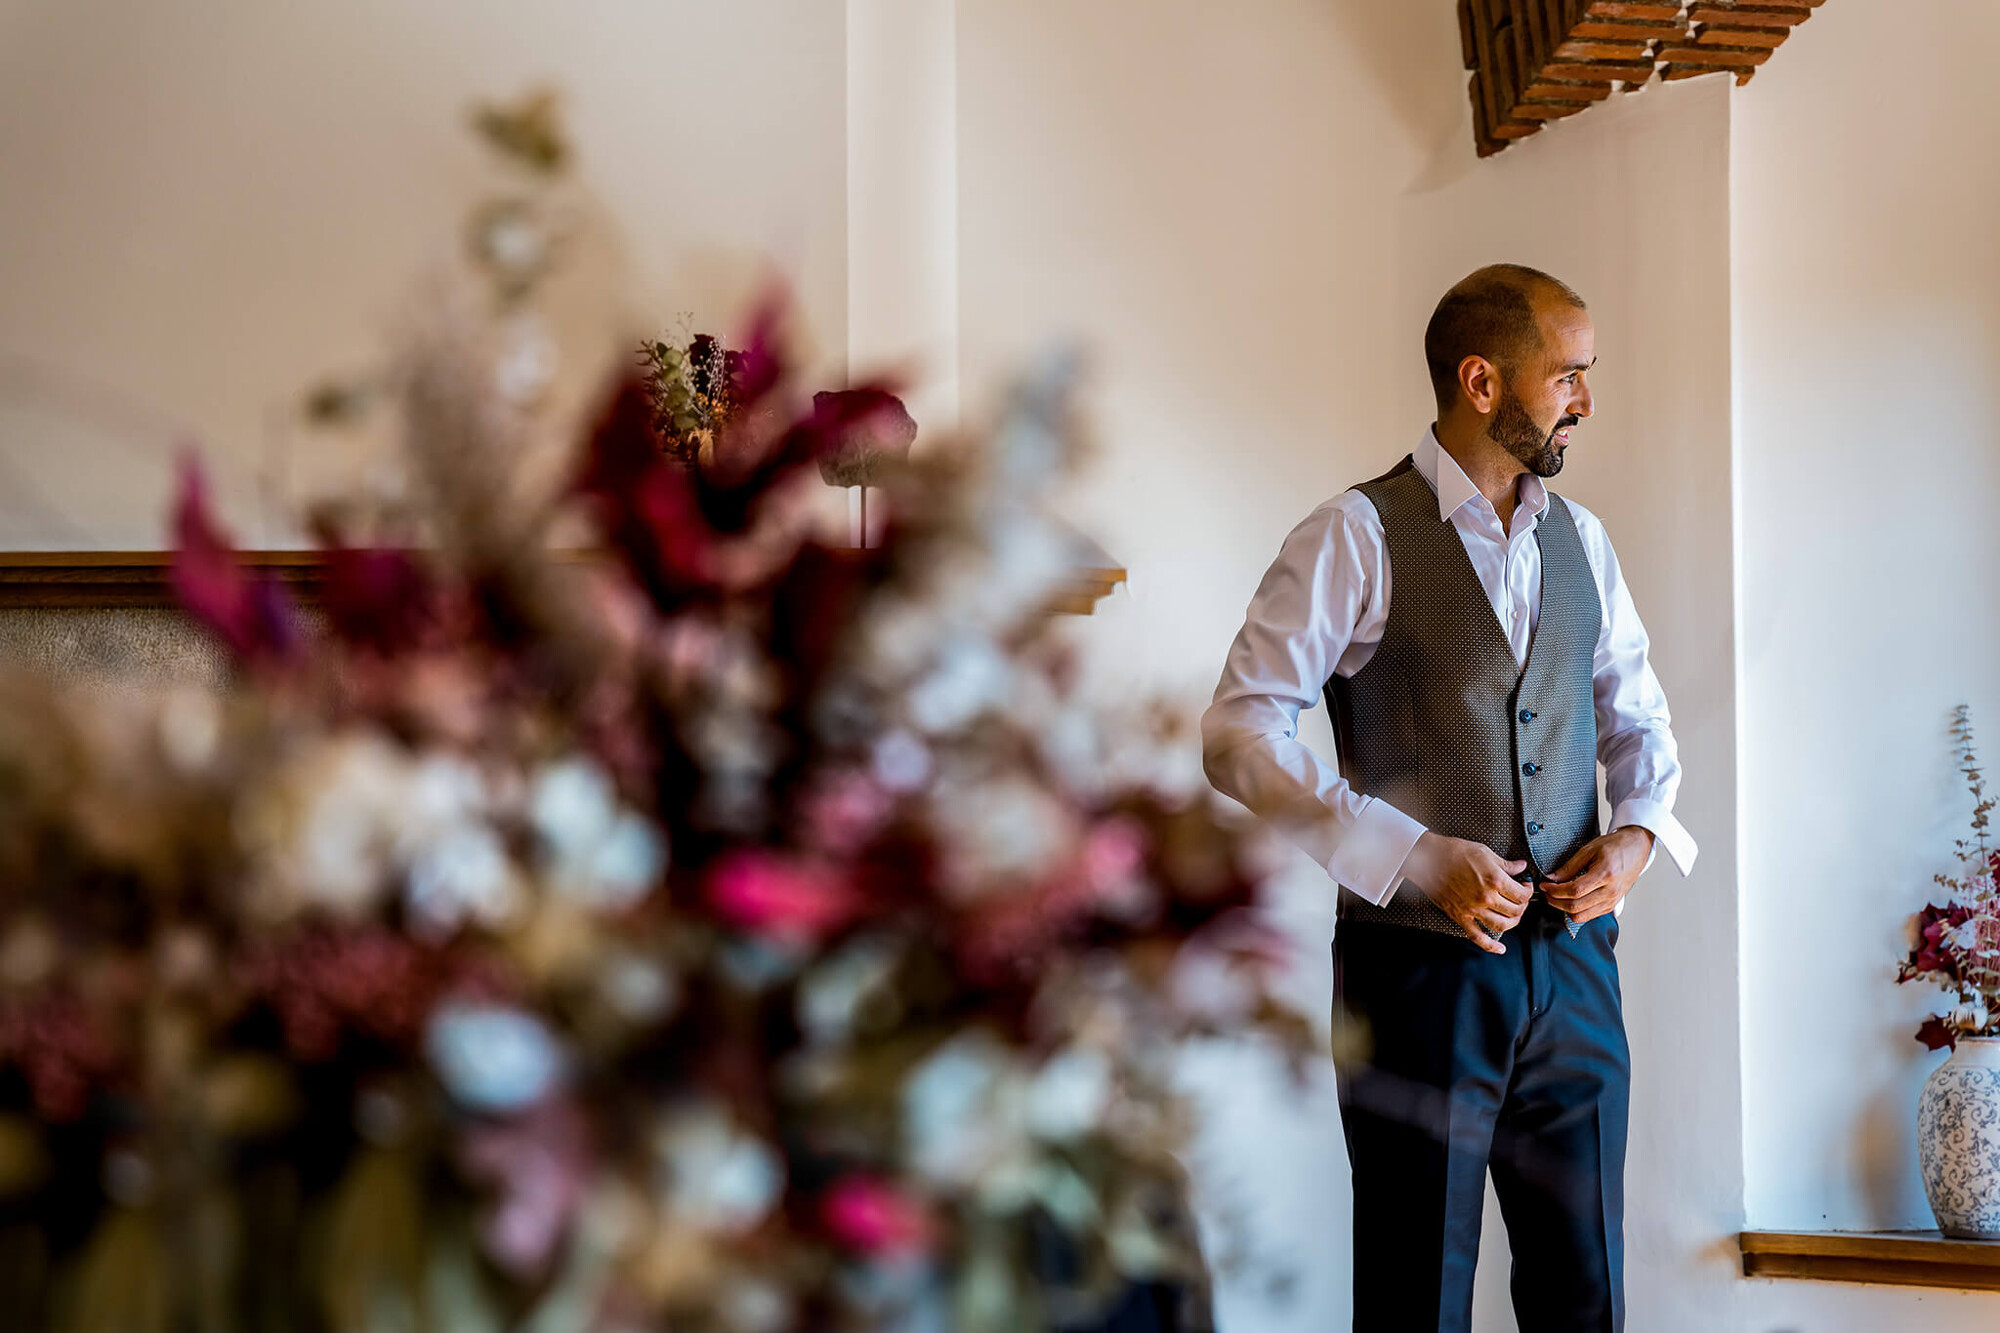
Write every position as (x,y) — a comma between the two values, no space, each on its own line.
(1535,448)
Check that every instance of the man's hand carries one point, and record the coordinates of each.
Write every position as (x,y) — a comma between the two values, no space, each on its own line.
(1597,878)
(1471,885)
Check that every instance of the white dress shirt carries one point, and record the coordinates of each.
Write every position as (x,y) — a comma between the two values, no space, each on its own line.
(1321,609)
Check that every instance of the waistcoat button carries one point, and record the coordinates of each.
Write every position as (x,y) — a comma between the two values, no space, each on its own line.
(1527,715)
(1531,769)
(1533,829)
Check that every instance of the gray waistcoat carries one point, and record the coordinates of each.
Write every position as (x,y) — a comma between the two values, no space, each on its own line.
(1444,725)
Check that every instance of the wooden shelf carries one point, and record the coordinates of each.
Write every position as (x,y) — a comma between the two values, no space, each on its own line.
(106,579)
(1892,1258)
(1082,591)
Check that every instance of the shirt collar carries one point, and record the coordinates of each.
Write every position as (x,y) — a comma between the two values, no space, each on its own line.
(1455,490)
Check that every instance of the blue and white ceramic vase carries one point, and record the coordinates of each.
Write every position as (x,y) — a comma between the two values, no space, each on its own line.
(1958,1140)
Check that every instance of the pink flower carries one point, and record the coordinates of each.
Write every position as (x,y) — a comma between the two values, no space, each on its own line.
(842,811)
(1009,932)
(1113,851)
(876,1218)
(536,1166)
(781,897)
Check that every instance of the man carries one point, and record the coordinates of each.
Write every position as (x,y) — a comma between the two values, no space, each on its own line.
(1480,654)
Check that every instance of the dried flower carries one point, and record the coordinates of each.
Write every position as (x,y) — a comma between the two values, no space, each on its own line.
(870,430)
(392,914)
(1956,945)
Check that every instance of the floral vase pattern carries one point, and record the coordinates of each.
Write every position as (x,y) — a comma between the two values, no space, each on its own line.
(1958,1140)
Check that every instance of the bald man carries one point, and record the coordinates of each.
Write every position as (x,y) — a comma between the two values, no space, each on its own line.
(1480,656)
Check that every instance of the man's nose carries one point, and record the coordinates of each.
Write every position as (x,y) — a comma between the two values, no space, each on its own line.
(1583,405)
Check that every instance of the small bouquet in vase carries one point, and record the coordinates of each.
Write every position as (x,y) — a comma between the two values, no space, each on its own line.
(1956,945)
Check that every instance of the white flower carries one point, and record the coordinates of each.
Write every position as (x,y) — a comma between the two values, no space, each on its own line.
(606,856)
(625,865)
(190,725)
(526,363)
(638,988)
(438,792)
(755,1305)
(963,1113)
(1010,829)
(573,806)
(832,994)
(463,874)
(492,1058)
(714,1175)
(514,241)
(323,829)
(901,762)
(969,677)
(1069,1094)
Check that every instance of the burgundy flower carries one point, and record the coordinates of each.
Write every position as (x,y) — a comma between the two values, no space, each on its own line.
(378,598)
(860,429)
(325,982)
(1935,1033)
(251,615)
(760,367)
(647,505)
(61,1051)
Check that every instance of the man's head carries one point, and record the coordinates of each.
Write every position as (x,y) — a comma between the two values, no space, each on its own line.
(1512,348)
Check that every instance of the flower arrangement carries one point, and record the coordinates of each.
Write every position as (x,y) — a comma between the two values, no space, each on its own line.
(1956,946)
(692,388)
(721,931)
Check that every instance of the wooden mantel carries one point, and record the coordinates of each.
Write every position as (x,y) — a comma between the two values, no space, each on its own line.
(1892,1258)
(107,579)
(101,580)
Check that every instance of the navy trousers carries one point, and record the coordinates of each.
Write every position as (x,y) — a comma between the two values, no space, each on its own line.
(1455,1061)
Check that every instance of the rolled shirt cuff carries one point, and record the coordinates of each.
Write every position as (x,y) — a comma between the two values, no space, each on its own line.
(1657,819)
(1369,860)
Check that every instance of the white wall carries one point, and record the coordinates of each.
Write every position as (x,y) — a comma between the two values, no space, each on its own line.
(1867,299)
(1247,217)
(1206,197)
(902,201)
(211,204)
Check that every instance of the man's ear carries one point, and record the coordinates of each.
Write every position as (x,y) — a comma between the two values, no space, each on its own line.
(1480,379)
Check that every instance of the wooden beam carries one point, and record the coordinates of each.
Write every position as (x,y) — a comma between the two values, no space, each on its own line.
(1770,38)
(1533,61)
